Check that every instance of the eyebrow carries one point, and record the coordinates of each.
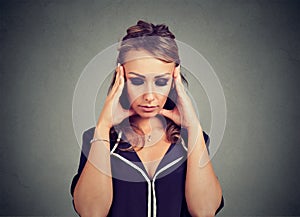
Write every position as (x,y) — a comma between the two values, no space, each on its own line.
(158,76)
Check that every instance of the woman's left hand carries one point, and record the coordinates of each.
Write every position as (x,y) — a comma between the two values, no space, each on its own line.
(183,114)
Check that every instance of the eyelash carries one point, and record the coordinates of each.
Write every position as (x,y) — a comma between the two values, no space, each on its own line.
(159,82)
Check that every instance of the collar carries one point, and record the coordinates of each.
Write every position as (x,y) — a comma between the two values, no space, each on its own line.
(175,152)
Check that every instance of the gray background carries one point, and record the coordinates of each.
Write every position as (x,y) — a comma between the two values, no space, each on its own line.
(252,45)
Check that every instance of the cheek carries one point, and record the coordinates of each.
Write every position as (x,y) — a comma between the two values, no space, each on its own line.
(163,93)
(132,93)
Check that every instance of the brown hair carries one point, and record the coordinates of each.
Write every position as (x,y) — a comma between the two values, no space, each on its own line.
(159,42)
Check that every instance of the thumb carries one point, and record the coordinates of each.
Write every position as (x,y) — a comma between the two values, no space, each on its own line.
(166,113)
(128,112)
(131,112)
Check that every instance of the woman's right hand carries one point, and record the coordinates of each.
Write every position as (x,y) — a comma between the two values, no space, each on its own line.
(113,113)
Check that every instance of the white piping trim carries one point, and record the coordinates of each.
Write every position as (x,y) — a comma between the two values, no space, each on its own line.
(145,176)
(153,183)
(117,143)
(183,144)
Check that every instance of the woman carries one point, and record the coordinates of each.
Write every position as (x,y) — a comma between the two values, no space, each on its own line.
(147,154)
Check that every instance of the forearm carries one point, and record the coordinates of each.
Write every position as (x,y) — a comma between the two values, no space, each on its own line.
(93,192)
(203,190)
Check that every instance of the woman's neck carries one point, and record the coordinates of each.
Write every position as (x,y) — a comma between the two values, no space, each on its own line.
(147,125)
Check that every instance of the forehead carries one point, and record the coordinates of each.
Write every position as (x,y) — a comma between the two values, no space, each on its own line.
(144,63)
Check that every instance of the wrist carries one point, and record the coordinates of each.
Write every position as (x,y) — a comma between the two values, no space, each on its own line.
(102,132)
(195,127)
(103,123)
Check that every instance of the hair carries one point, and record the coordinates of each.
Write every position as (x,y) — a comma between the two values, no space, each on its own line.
(159,42)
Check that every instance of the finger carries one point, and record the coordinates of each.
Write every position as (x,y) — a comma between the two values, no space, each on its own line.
(179,87)
(117,74)
(121,73)
(177,71)
(117,80)
(177,74)
(121,82)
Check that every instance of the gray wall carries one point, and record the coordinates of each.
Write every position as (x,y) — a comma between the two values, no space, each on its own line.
(252,45)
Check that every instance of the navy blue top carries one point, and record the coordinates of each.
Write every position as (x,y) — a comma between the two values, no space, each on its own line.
(136,194)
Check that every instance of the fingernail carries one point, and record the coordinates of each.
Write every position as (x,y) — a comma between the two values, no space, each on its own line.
(118,65)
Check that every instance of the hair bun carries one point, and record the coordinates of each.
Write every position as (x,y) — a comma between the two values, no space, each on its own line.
(143,28)
(163,31)
(144,24)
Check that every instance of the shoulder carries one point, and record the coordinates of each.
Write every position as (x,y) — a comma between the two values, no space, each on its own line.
(88,134)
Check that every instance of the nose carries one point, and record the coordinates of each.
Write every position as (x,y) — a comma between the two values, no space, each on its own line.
(148,95)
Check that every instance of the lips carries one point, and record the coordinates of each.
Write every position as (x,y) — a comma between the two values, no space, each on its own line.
(148,108)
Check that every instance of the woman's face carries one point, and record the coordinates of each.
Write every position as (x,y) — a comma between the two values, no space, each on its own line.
(149,81)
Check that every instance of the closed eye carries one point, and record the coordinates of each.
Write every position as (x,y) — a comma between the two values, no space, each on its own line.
(161,82)
(136,81)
